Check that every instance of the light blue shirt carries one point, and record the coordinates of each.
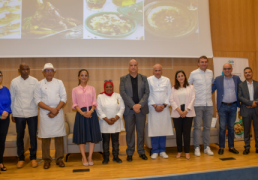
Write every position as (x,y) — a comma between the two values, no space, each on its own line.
(229,90)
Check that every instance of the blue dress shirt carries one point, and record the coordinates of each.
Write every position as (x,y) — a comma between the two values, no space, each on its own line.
(229,90)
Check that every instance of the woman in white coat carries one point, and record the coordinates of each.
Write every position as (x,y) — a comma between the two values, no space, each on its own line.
(110,111)
(182,101)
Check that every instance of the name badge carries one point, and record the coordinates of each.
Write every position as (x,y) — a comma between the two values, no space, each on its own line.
(117,101)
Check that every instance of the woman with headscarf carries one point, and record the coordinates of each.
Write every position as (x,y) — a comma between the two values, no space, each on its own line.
(86,125)
(5,111)
(110,110)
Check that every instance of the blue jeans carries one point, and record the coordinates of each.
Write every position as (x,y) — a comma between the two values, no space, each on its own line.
(227,116)
(158,144)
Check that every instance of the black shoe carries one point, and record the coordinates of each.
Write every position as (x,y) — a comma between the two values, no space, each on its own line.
(143,156)
(246,151)
(256,151)
(3,168)
(233,150)
(117,159)
(129,158)
(221,151)
(105,161)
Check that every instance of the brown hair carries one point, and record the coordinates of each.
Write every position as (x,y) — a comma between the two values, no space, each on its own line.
(80,73)
(177,84)
(202,57)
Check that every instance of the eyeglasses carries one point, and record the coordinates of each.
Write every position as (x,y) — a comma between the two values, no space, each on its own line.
(227,69)
(49,70)
(108,80)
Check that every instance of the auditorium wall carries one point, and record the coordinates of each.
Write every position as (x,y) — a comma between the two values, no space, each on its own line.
(234,31)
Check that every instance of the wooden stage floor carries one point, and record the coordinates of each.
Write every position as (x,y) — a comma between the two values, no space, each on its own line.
(136,168)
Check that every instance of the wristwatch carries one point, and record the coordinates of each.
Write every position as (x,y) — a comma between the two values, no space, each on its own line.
(187,111)
(165,105)
(92,110)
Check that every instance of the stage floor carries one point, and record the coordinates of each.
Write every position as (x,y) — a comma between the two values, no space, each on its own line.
(136,168)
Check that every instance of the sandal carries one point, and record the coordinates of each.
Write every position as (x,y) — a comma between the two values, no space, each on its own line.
(3,168)
(178,155)
(187,156)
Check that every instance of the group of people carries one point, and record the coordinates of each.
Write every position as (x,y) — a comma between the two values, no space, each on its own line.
(100,118)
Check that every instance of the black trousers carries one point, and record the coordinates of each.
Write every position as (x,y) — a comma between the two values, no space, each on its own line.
(252,116)
(115,143)
(183,128)
(4,125)
(20,129)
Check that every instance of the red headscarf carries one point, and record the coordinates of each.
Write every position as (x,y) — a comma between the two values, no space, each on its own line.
(105,86)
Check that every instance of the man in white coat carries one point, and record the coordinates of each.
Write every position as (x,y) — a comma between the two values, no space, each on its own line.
(25,111)
(159,120)
(50,96)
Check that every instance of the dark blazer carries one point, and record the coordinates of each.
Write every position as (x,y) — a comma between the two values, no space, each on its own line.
(218,85)
(244,97)
(126,91)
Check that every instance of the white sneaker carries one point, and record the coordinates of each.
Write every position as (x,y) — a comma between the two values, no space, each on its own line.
(154,155)
(164,155)
(197,152)
(208,151)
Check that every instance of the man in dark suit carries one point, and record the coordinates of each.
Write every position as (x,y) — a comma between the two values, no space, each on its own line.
(248,96)
(227,103)
(134,89)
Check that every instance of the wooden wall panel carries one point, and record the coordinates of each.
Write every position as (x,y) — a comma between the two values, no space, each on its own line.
(100,69)
(232,25)
(256,22)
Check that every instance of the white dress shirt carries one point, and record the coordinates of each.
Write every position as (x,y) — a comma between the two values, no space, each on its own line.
(159,123)
(251,90)
(202,81)
(50,93)
(110,106)
(22,96)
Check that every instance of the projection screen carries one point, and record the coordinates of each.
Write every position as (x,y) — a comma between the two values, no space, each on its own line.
(105,28)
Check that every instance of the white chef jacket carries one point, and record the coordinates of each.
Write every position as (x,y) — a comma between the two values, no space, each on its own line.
(159,123)
(22,96)
(50,93)
(202,81)
(110,106)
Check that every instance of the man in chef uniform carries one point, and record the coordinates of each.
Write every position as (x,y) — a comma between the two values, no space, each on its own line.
(50,96)
(159,120)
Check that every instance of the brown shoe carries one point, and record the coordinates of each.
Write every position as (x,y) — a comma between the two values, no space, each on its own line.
(34,163)
(20,164)
(46,165)
(60,164)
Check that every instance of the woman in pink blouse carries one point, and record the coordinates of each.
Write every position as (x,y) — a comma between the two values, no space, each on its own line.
(86,125)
